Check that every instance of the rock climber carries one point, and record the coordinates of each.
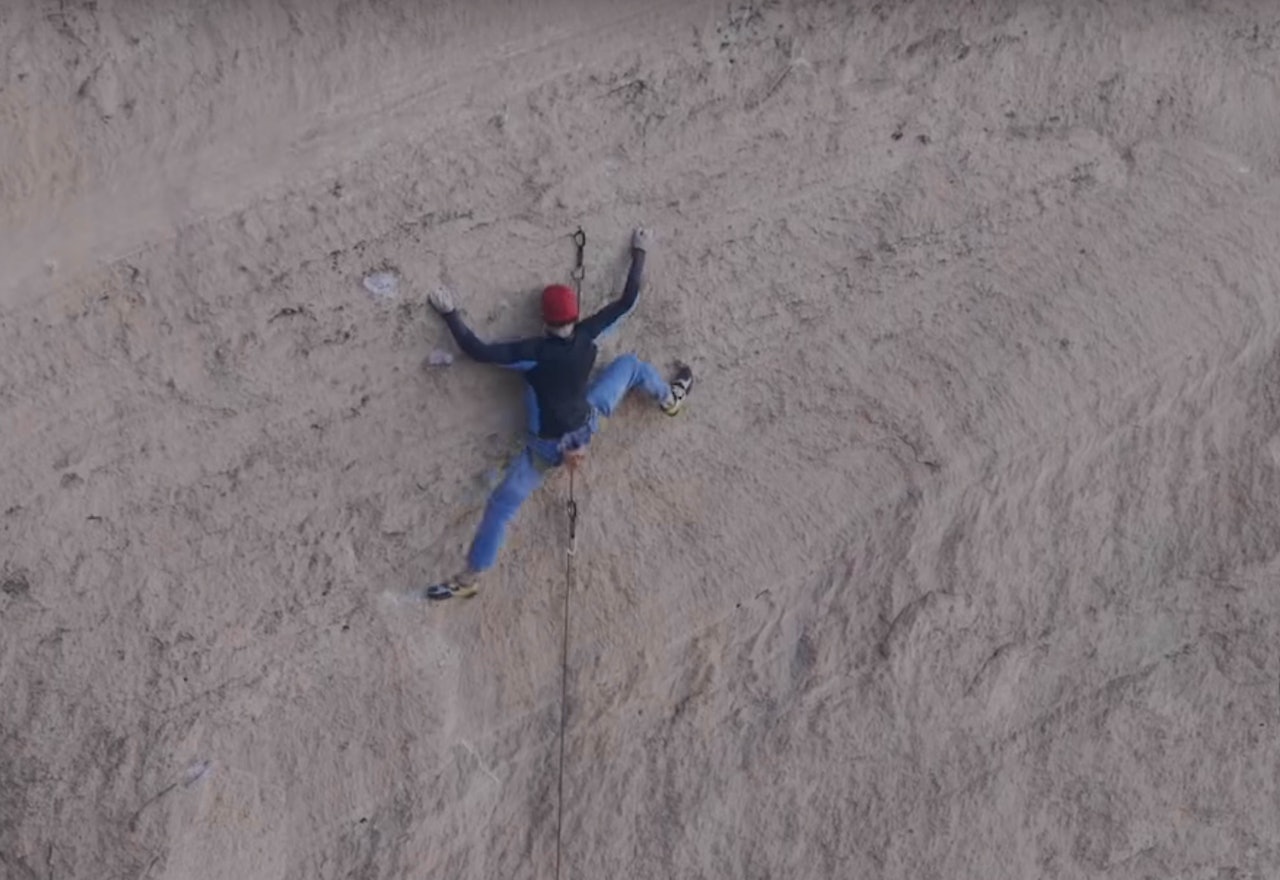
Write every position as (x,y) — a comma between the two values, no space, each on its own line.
(564,406)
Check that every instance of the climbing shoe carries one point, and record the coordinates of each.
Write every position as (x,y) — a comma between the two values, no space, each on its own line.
(460,587)
(680,386)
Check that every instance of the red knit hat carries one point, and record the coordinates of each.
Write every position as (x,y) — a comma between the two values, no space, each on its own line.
(559,305)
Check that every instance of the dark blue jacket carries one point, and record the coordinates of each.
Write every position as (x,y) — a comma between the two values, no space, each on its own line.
(556,369)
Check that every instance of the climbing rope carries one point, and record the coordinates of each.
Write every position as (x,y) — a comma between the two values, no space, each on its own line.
(571,462)
(564,669)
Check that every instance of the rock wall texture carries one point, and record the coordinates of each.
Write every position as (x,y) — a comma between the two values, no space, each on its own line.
(963,561)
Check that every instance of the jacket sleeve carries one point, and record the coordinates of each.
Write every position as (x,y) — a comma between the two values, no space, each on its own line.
(519,355)
(605,321)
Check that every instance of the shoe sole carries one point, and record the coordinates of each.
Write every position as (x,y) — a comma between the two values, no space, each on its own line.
(440,592)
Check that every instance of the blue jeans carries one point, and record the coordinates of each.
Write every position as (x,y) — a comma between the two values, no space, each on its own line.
(541,454)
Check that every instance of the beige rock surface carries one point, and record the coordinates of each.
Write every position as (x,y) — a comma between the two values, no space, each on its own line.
(963,562)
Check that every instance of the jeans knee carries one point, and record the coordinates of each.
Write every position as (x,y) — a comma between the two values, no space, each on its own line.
(504,499)
(511,493)
(509,496)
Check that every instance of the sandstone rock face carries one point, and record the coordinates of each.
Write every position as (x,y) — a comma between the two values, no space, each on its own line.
(962,561)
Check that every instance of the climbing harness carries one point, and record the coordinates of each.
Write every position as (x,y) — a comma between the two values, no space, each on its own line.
(572,459)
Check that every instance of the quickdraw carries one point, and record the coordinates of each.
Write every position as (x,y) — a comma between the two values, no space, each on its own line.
(573,511)
(579,272)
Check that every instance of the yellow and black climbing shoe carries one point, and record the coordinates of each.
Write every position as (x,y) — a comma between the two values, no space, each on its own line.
(680,386)
(454,588)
